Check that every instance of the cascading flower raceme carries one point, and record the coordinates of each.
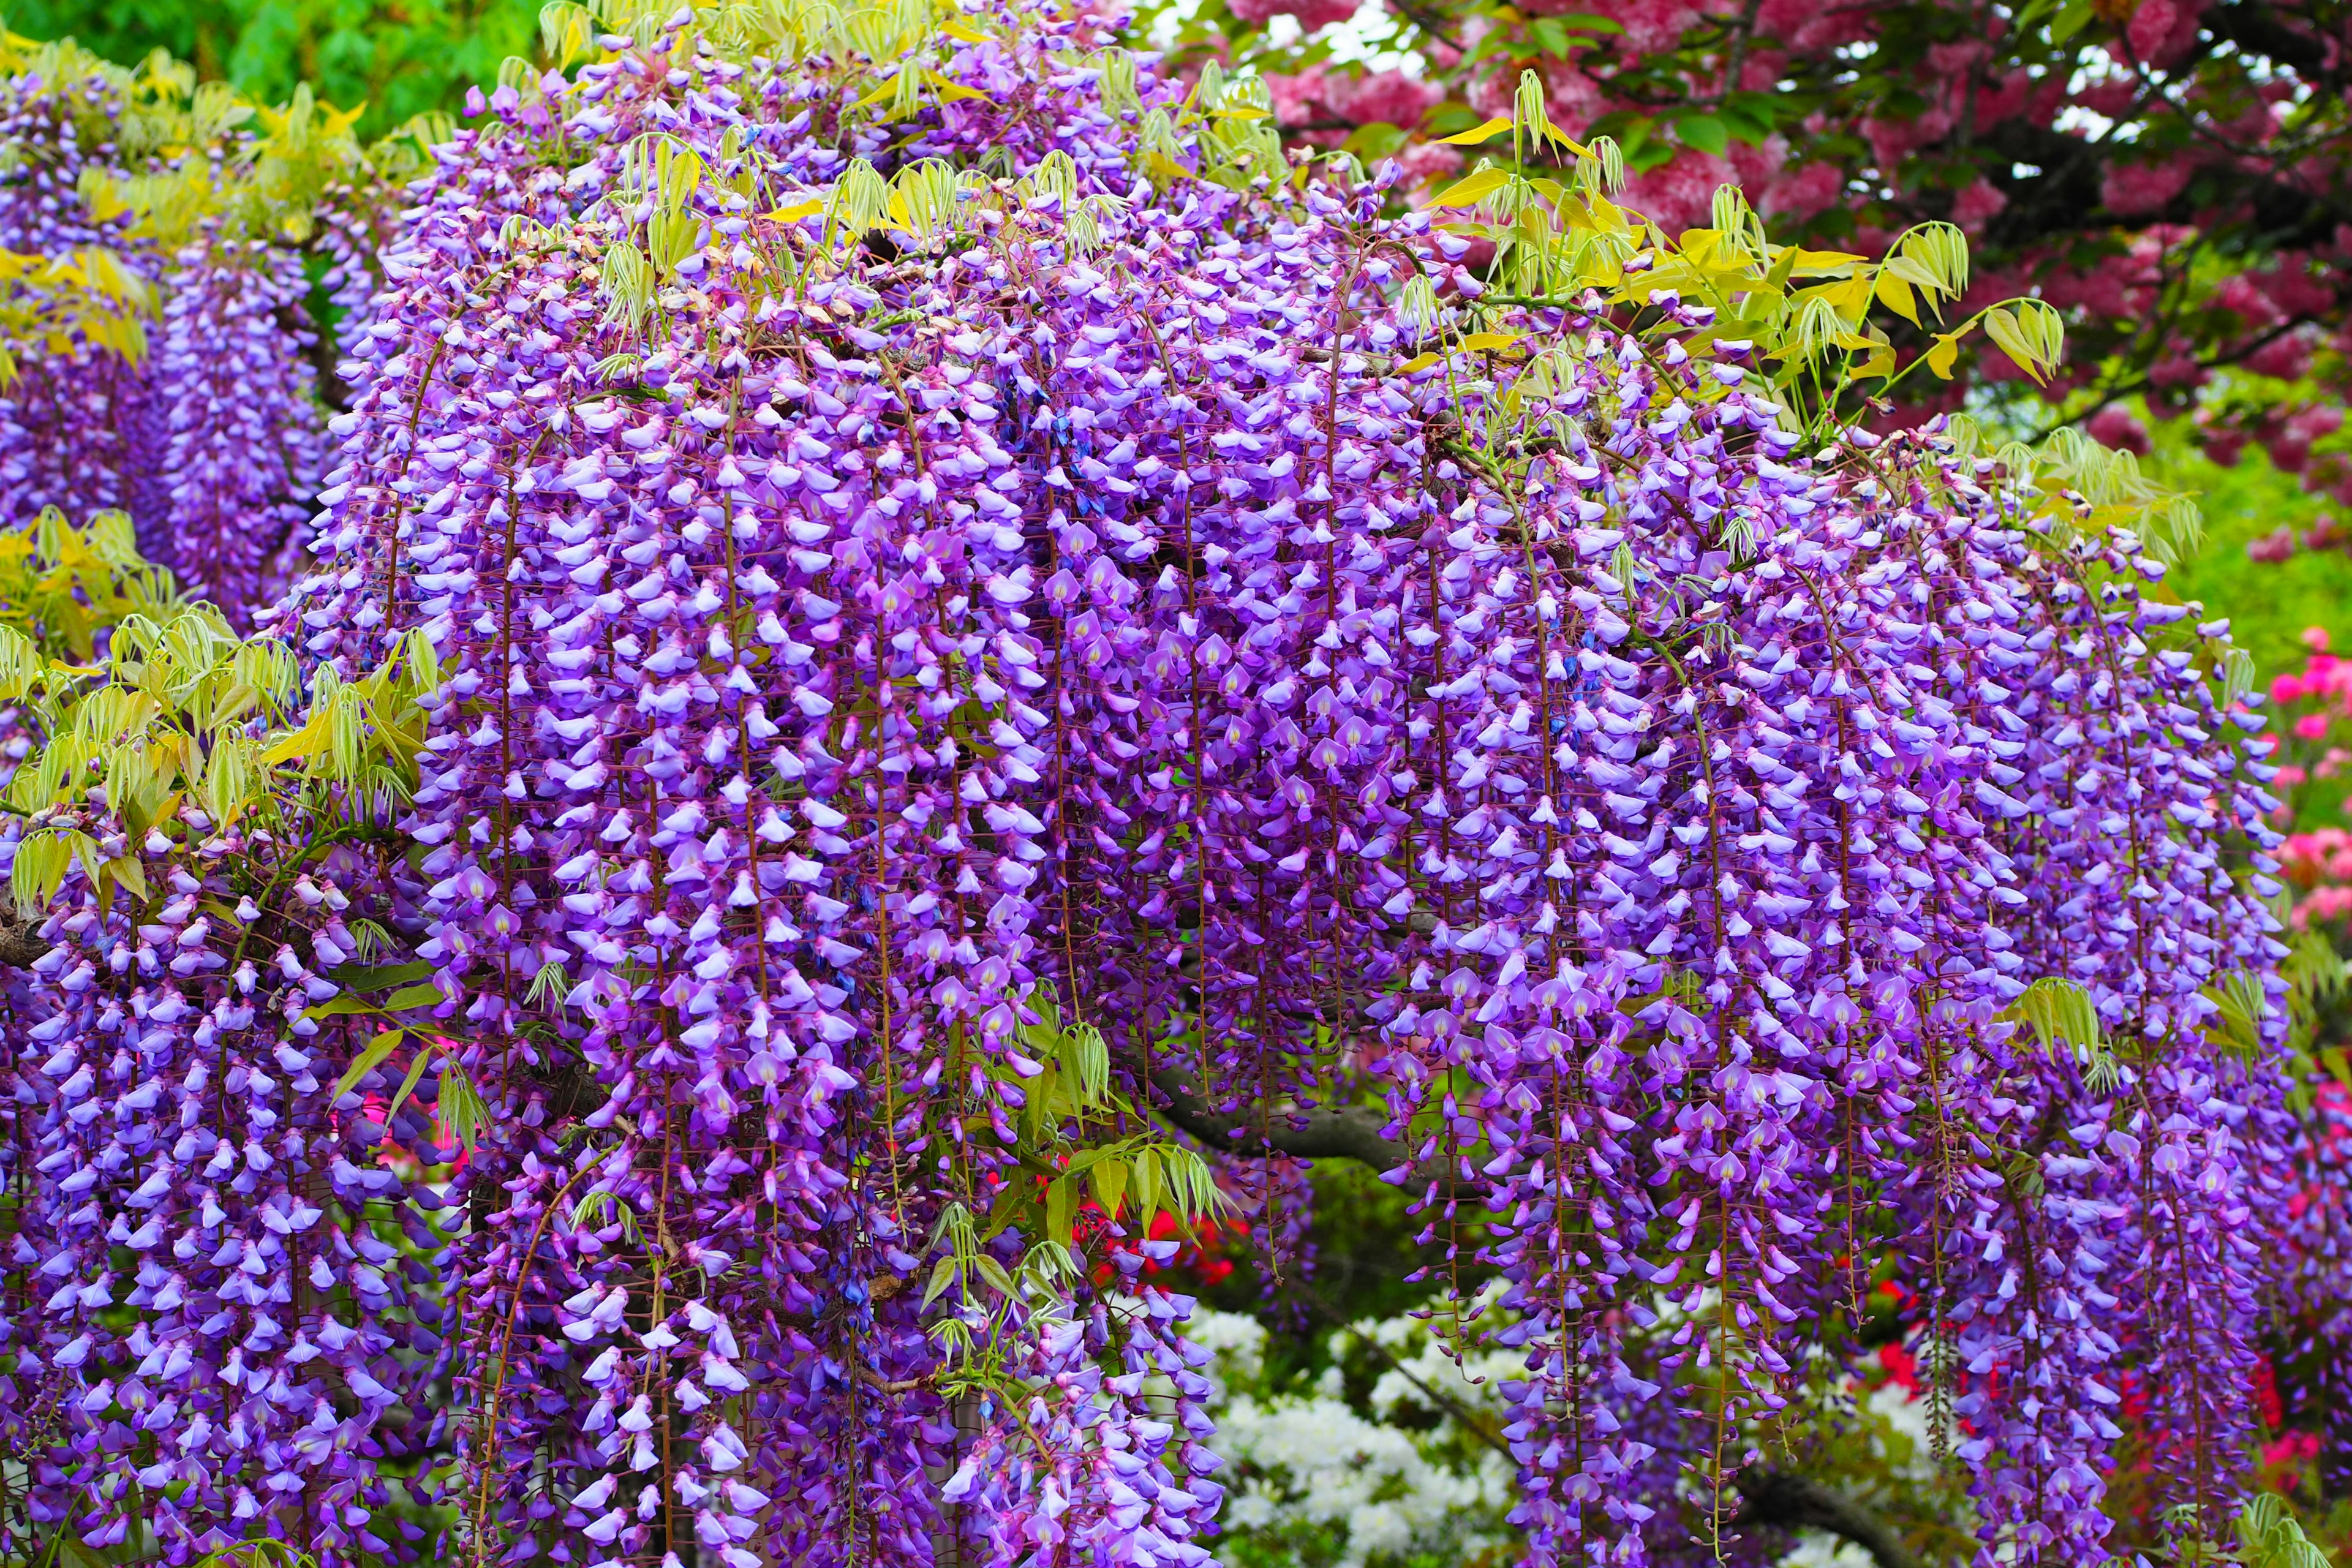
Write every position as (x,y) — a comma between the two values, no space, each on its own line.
(902,603)
(242,461)
(210,436)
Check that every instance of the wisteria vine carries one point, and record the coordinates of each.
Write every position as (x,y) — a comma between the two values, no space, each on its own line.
(897,610)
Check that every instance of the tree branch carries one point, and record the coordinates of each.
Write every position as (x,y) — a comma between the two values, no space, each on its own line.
(1789,1502)
(1355,1133)
(2258,31)
(21,942)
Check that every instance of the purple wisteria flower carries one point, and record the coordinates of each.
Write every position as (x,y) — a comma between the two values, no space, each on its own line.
(894,560)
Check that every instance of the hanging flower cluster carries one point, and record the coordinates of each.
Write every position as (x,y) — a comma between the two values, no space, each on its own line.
(205,426)
(924,601)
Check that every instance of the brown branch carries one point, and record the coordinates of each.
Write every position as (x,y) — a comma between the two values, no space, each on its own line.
(1355,1133)
(1790,1501)
(21,942)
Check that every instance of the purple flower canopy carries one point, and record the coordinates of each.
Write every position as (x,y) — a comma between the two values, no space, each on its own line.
(213,441)
(1078,594)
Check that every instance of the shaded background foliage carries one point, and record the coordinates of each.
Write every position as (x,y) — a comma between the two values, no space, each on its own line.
(399,57)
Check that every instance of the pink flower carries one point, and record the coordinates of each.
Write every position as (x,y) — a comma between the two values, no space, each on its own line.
(2132,189)
(1799,194)
(2294,290)
(2274,547)
(2160,31)
(1390,96)
(2287,358)
(2115,426)
(1892,141)
(1653,27)
(1675,195)
(1298,100)
(1810,26)
(2315,638)
(1573,99)
(1973,207)
(2224,447)
(2312,727)
(1491,94)
(2287,688)
(1312,14)
(1428,162)
(2109,98)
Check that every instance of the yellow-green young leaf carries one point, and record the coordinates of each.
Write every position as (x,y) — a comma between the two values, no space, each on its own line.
(1109,1178)
(2031,333)
(942,1273)
(378,1051)
(1473,189)
(414,996)
(1490,340)
(1825,263)
(2058,1011)
(1934,258)
(1060,1196)
(888,90)
(1475,134)
(951,89)
(1418,361)
(993,1272)
(463,1110)
(1895,293)
(2237,675)
(1147,1188)
(339,1006)
(130,874)
(793,212)
(1943,353)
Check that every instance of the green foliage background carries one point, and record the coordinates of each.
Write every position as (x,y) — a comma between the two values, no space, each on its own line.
(399,58)
(2269,605)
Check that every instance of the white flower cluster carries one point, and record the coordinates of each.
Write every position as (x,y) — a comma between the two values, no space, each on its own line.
(1316,1481)
(1312,1478)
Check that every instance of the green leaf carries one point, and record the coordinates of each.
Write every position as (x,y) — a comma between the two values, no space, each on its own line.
(993,1272)
(1146,1189)
(414,996)
(371,977)
(1376,140)
(942,1274)
(464,1113)
(337,1007)
(1109,1178)
(408,1084)
(1703,131)
(367,1061)
(1061,1195)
